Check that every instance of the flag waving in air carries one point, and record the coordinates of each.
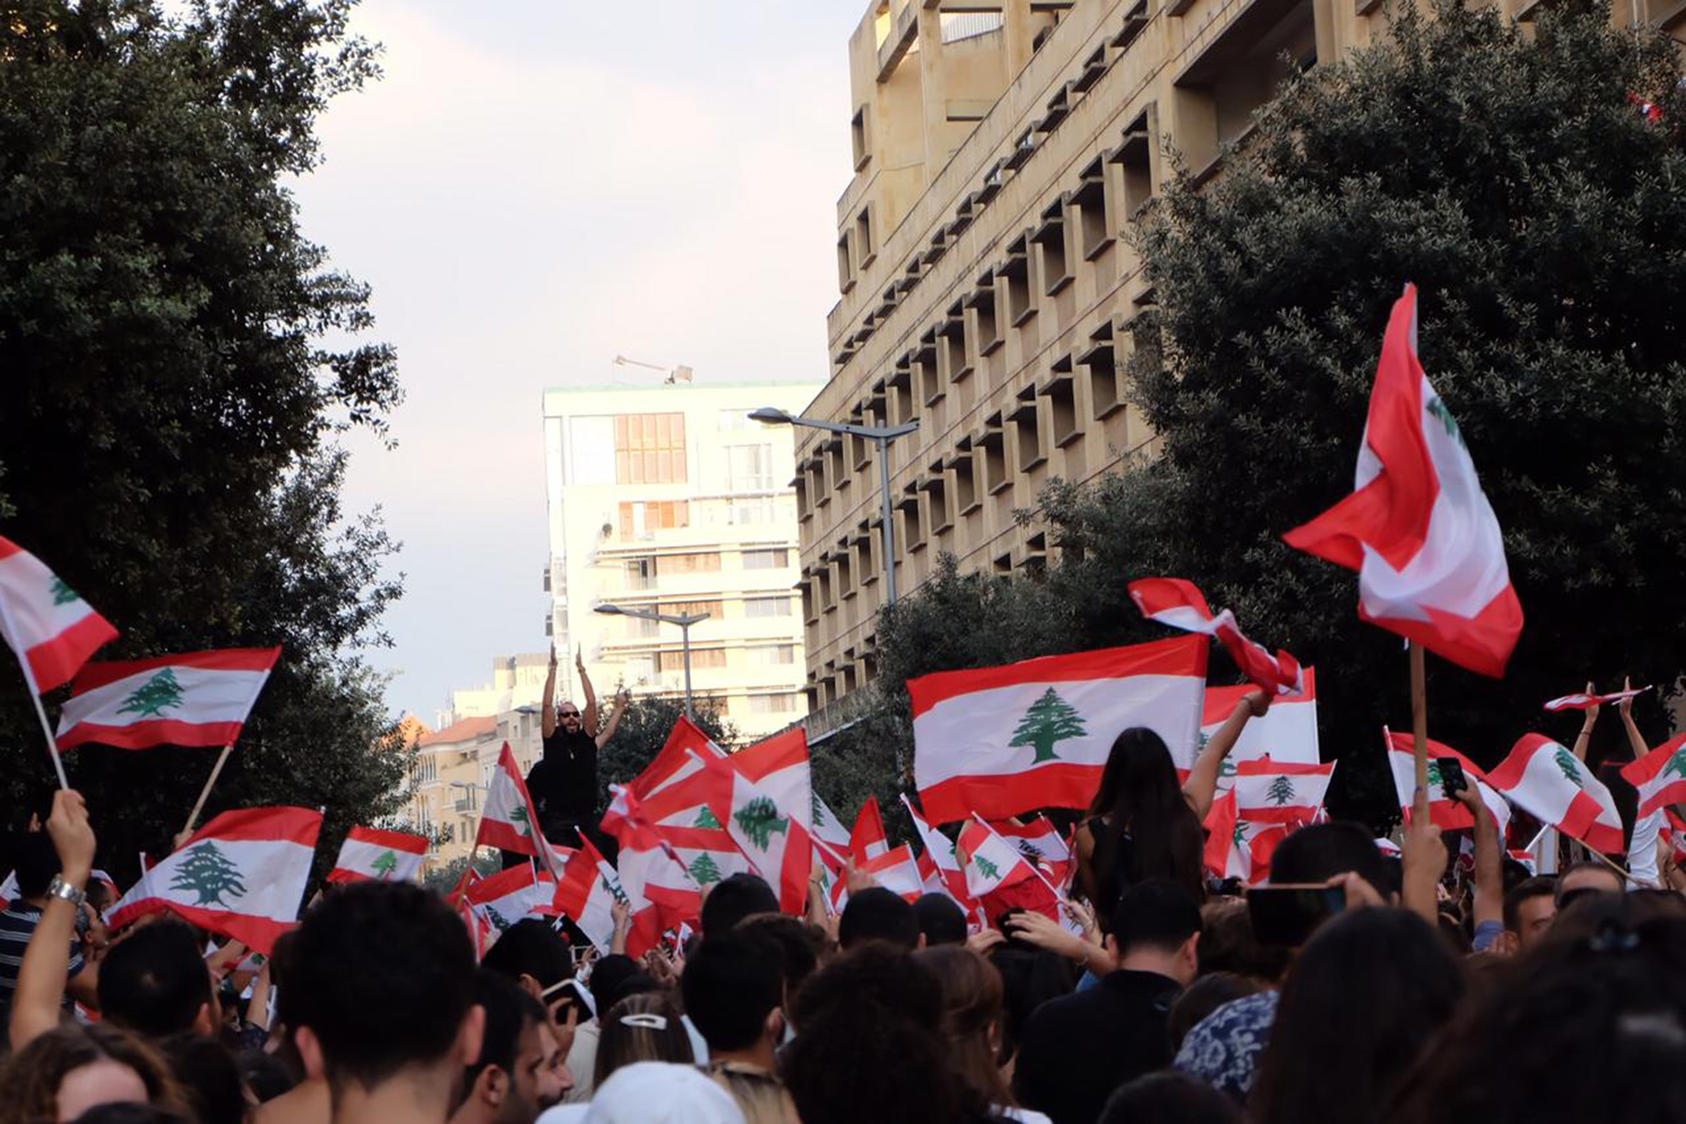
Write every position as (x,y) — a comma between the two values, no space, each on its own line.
(589,889)
(509,821)
(1446,813)
(1660,776)
(769,834)
(1180,604)
(52,630)
(1036,734)
(199,698)
(1546,780)
(371,854)
(939,863)
(242,875)
(1284,792)
(1417,527)
(1582,701)
(868,840)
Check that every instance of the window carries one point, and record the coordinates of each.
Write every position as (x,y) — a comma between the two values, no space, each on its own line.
(857,138)
(994,445)
(1021,306)
(650,449)
(741,513)
(639,668)
(1030,442)
(701,659)
(1094,228)
(863,236)
(965,481)
(772,655)
(937,496)
(427,770)
(1062,405)
(690,563)
(1134,158)
(1100,358)
(954,343)
(749,468)
(845,264)
(733,421)
(591,447)
(765,559)
(980,315)
(641,520)
(767,607)
(912,532)
(1050,249)
(642,628)
(640,573)
(772,704)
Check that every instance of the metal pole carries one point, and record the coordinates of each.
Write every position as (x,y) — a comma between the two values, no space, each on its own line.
(685,639)
(889,528)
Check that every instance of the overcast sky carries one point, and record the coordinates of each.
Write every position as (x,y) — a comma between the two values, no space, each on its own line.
(536,186)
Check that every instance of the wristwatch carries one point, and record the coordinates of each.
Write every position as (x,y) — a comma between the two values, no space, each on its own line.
(59,888)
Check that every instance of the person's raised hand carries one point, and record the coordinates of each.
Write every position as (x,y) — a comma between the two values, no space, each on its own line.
(856,880)
(620,912)
(983,940)
(72,836)
(1625,706)
(1592,708)
(1258,701)
(1044,932)
(1084,916)
(1359,893)
(553,655)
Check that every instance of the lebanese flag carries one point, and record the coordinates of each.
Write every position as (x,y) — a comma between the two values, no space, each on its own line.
(768,834)
(828,829)
(661,891)
(509,821)
(1417,527)
(1180,604)
(897,870)
(371,854)
(688,816)
(1585,701)
(681,757)
(587,893)
(512,895)
(241,875)
(1240,848)
(52,630)
(1287,732)
(1660,776)
(939,863)
(989,861)
(779,765)
(868,840)
(1444,813)
(1036,734)
(1039,841)
(1544,779)
(480,931)
(197,699)
(1285,792)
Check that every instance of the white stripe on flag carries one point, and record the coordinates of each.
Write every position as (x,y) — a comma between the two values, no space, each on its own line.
(208,695)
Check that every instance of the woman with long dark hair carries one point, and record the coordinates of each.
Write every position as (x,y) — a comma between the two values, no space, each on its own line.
(1143,822)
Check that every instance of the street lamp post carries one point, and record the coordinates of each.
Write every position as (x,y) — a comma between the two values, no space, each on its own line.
(684,621)
(882,435)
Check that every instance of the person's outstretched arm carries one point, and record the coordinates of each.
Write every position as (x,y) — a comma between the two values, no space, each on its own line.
(588,713)
(1202,783)
(1425,861)
(621,701)
(46,963)
(547,720)
(1489,858)
(1635,740)
(1586,727)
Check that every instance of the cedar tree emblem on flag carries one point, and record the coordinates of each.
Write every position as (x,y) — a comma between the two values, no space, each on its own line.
(705,870)
(1677,763)
(518,817)
(499,921)
(1566,762)
(1281,791)
(987,868)
(209,874)
(62,593)
(160,693)
(1434,778)
(1049,720)
(707,818)
(386,864)
(759,819)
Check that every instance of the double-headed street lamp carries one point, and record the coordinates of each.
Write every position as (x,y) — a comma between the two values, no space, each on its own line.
(684,622)
(883,435)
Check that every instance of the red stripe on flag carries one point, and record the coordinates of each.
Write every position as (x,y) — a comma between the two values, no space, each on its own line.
(769,755)
(153,732)
(1181,655)
(1060,784)
(1580,821)
(397,840)
(53,663)
(257,933)
(1509,773)
(275,824)
(1482,643)
(221,659)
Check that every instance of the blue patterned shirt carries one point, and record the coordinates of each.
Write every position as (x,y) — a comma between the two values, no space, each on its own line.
(1223,1048)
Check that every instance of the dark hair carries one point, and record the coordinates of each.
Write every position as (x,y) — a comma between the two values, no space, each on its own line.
(1205,995)
(266,1075)
(617,976)
(1541,887)
(1168,1097)
(1029,977)
(731,983)
(877,914)
(383,975)
(128,1112)
(531,947)
(621,1043)
(154,980)
(973,998)
(209,1077)
(871,1046)
(940,919)
(509,1012)
(1581,1026)
(1227,943)
(733,899)
(1367,992)
(1321,851)
(30,1078)
(36,863)
(1584,865)
(1157,913)
(1150,831)
(799,958)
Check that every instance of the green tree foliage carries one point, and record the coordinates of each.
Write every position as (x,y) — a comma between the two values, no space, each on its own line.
(444,879)
(178,361)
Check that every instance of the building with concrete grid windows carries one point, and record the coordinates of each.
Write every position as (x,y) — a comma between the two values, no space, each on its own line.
(988,289)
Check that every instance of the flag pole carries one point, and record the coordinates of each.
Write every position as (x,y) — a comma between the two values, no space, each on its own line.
(204,793)
(35,697)
(1419,715)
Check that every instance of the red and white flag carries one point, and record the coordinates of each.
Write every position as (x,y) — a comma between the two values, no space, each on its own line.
(510,822)
(1444,813)
(480,931)
(512,895)
(1585,701)
(779,765)
(1180,604)
(1284,792)
(589,889)
(661,891)
(242,875)
(896,870)
(1287,732)
(680,758)
(1238,848)
(49,626)
(828,829)
(1544,779)
(769,835)
(1039,841)
(989,862)
(1418,528)
(1036,734)
(373,854)
(195,699)
(1660,776)
(939,862)
(868,840)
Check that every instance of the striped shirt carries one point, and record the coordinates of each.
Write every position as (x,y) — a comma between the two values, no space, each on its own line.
(17,925)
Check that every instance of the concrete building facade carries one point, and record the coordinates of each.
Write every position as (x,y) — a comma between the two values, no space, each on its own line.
(1003,156)
(453,769)
(517,681)
(668,498)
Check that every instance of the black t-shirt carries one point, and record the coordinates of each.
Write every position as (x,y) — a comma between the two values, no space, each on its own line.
(563,782)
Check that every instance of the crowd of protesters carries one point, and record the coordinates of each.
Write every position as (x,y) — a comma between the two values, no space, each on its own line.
(1367,988)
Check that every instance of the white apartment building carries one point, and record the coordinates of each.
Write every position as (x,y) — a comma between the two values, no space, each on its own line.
(517,681)
(668,498)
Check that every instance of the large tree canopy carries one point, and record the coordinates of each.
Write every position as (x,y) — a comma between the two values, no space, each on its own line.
(176,359)
(1507,173)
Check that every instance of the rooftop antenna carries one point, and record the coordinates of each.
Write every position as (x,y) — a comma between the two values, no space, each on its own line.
(674,375)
